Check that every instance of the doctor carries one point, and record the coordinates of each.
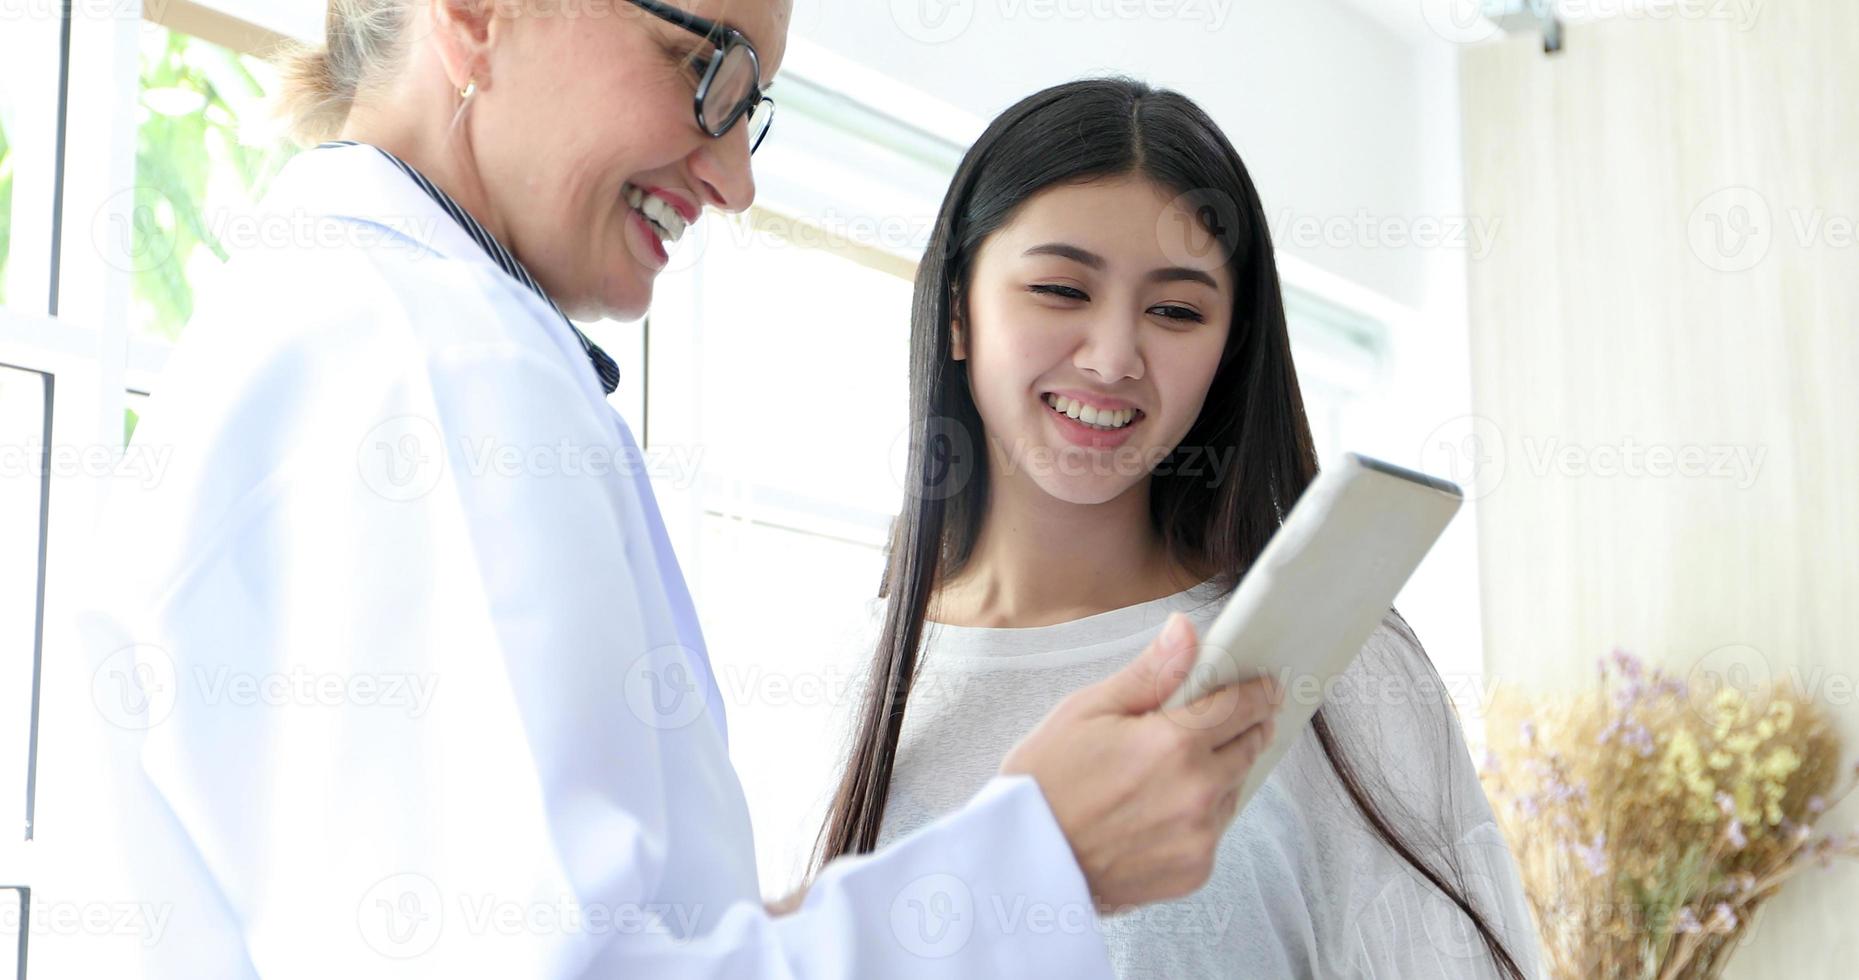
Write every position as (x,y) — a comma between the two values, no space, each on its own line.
(393,706)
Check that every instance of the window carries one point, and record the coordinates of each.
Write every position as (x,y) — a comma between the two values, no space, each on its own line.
(6,200)
(29,66)
(1340,356)
(778,347)
(13,930)
(25,441)
(204,152)
(786,468)
(133,403)
(805,392)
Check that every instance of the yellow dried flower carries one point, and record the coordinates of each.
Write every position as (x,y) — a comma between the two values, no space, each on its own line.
(1681,751)
(1781,763)
(1671,844)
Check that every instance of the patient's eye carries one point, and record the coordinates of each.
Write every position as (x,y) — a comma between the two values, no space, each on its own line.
(1053,289)
(1170,311)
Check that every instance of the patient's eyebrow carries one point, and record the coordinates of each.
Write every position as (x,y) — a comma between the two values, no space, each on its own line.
(1181,273)
(1072,252)
(1086,257)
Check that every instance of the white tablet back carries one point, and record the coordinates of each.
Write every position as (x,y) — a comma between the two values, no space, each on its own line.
(1319,589)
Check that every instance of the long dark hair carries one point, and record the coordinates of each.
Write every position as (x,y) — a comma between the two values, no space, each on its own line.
(1252,421)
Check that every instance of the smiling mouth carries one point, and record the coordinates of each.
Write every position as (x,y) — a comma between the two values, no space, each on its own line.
(659,214)
(1101,419)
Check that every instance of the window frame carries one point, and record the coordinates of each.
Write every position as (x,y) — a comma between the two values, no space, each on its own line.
(78,155)
(31,341)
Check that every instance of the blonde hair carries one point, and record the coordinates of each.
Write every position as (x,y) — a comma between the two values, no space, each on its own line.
(364,40)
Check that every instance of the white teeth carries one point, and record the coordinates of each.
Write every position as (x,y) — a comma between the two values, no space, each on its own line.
(1102,418)
(666,220)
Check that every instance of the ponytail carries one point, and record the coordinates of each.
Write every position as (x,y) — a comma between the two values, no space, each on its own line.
(320,82)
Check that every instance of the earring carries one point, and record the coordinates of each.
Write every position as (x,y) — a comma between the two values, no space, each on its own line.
(470,89)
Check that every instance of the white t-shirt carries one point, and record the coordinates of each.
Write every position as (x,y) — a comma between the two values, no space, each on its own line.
(1302,887)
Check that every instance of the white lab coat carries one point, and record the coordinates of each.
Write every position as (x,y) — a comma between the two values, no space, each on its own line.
(417,685)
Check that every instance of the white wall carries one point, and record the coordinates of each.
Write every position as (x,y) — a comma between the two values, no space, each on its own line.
(1321,100)
(1677,278)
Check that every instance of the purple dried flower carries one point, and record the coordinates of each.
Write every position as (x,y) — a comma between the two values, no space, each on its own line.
(1816,805)
(1626,663)
(1735,833)
(1526,733)
(1594,855)
(1627,694)
(1640,740)
(1687,920)
(1725,804)
(1722,918)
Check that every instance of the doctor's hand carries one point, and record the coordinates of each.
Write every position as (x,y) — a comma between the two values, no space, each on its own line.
(1144,795)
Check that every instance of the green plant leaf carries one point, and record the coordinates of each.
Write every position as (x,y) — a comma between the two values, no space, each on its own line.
(190,165)
(6,206)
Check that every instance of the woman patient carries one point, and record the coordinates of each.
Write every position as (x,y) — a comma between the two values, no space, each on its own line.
(1107,427)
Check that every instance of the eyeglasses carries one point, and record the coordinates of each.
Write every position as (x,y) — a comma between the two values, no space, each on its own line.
(731,85)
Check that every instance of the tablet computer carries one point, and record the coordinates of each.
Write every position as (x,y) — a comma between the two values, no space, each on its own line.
(1323,583)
